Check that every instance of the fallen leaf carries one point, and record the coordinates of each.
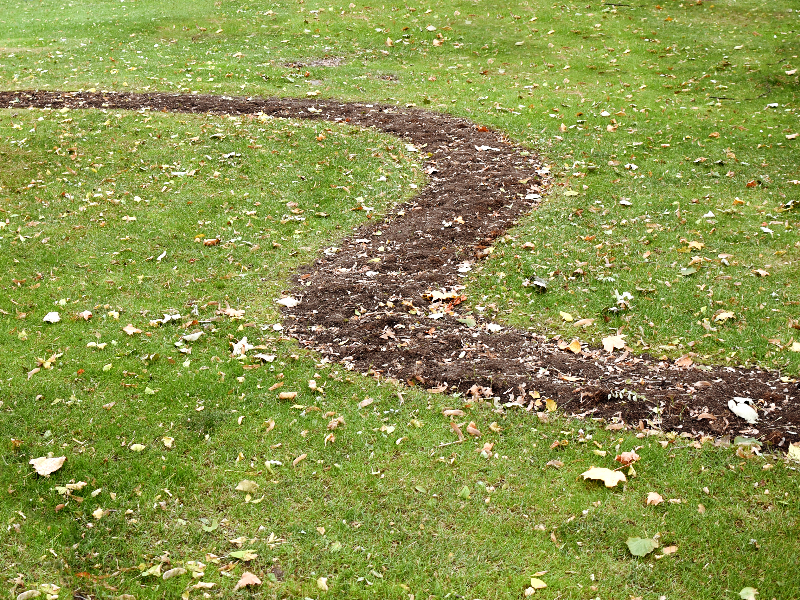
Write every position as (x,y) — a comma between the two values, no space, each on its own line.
(794,452)
(98,513)
(748,593)
(627,458)
(136,447)
(723,316)
(246,485)
(288,302)
(241,347)
(365,402)
(556,464)
(52,317)
(192,337)
(760,272)
(641,546)
(574,346)
(566,316)
(85,315)
(287,395)
(453,412)
(243,555)
(584,323)
(613,342)
(176,572)
(299,459)
(473,430)
(741,408)
(45,465)
(607,476)
(322,582)
(551,404)
(669,550)
(130,329)
(654,499)
(684,361)
(537,584)
(247,579)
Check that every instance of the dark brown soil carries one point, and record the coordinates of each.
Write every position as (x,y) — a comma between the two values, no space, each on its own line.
(369,305)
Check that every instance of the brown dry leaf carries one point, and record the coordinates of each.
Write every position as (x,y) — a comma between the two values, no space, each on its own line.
(365,402)
(231,312)
(453,412)
(334,423)
(584,323)
(45,465)
(486,451)
(627,458)
(684,361)
(270,425)
(247,579)
(706,415)
(457,430)
(607,476)
(130,329)
(613,342)
(556,464)
(654,499)
(299,459)
(760,272)
(437,390)
(473,430)
(287,395)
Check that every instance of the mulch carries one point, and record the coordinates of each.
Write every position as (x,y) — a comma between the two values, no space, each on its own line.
(371,306)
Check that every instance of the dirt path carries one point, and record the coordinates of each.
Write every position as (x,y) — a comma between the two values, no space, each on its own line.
(369,305)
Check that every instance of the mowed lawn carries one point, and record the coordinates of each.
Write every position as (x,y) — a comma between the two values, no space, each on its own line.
(162,241)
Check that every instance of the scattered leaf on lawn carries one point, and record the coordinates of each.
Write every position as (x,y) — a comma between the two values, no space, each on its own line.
(627,458)
(654,499)
(287,395)
(584,323)
(45,465)
(669,549)
(245,485)
(365,402)
(247,579)
(52,317)
(473,430)
(322,583)
(607,476)
(794,452)
(130,329)
(177,571)
(565,315)
(243,555)
(748,593)
(453,412)
(641,546)
(299,459)
(136,447)
(537,584)
(168,441)
(85,315)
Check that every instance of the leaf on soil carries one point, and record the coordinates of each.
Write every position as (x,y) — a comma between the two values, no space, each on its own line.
(574,346)
(247,579)
(748,593)
(741,408)
(52,317)
(607,476)
(654,499)
(245,485)
(45,465)
(684,361)
(288,302)
(641,546)
(613,342)
(794,452)
(130,329)
(551,404)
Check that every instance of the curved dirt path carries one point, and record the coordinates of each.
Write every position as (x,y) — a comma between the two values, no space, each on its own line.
(369,306)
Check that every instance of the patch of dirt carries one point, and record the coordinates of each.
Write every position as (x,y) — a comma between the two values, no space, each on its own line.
(328,61)
(371,306)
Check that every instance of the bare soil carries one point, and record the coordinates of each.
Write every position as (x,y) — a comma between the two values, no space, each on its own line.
(370,305)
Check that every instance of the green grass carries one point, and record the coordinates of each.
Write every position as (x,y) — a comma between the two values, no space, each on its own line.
(383,510)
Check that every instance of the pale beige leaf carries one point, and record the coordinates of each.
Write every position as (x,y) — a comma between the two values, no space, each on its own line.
(607,476)
(473,430)
(322,583)
(627,458)
(584,323)
(654,499)
(613,342)
(537,584)
(247,579)
(176,572)
(287,395)
(45,465)
(130,329)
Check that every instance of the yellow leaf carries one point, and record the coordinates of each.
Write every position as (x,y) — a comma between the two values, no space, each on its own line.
(537,584)
(575,346)
(565,315)
(551,405)
(607,476)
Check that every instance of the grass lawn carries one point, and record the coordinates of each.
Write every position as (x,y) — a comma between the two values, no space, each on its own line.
(162,241)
